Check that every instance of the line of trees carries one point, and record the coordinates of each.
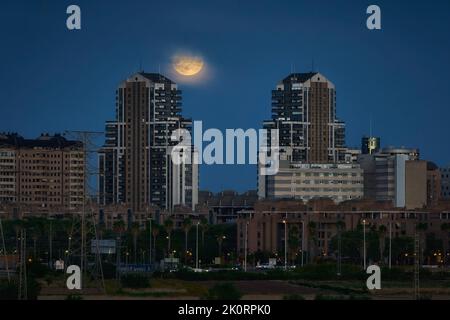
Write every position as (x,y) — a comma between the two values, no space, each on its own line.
(350,243)
(431,249)
(51,239)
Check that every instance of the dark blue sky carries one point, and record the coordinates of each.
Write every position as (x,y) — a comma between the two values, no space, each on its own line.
(52,79)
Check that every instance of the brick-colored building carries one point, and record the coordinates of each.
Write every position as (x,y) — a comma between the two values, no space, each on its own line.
(433,184)
(265,224)
(44,174)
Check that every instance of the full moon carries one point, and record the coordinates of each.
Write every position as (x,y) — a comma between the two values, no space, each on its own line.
(187,66)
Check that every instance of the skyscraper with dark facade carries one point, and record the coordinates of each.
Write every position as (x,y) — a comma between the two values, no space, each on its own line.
(135,162)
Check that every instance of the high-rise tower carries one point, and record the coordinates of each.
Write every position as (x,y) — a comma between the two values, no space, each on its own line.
(304,111)
(312,152)
(135,162)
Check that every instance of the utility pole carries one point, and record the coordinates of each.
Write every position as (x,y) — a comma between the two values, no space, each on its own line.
(196,246)
(245,246)
(416,266)
(23,286)
(364,242)
(5,255)
(285,242)
(390,244)
(118,258)
(339,260)
(150,242)
(81,227)
(303,240)
(50,242)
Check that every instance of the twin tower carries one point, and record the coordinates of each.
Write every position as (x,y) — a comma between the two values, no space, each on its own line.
(135,162)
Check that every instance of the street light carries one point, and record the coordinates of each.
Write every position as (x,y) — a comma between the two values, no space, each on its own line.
(50,240)
(245,246)
(150,243)
(196,246)
(390,244)
(364,247)
(285,243)
(303,240)
(4,250)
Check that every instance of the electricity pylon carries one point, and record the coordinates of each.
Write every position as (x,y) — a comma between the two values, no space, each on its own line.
(22,292)
(84,226)
(84,231)
(416,266)
(5,255)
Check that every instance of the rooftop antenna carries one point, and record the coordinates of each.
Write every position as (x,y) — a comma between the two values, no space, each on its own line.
(140,65)
(292,67)
(370,126)
(312,65)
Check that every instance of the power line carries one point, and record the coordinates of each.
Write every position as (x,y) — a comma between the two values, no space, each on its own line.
(84,227)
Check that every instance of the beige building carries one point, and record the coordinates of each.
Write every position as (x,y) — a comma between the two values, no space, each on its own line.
(397,175)
(43,173)
(339,182)
(415,184)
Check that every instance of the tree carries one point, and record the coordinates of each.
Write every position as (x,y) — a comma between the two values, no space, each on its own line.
(155,233)
(187,224)
(119,227)
(382,236)
(36,228)
(223,291)
(35,236)
(135,229)
(204,225)
(168,225)
(18,225)
(445,228)
(293,241)
(101,228)
(433,247)
(421,228)
(340,226)
(402,248)
(312,239)
(220,237)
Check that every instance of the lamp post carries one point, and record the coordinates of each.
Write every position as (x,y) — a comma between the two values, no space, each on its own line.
(150,243)
(196,246)
(285,243)
(50,240)
(364,241)
(390,244)
(303,240)
(4,250)
(245,246)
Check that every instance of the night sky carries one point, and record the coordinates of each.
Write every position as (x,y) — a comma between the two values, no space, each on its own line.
(53,79)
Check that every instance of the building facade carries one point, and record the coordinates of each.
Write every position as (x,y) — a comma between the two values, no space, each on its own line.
(135,163)
(224,207)
(433,184)
(445,182)
(304,181)
(397,175)
(315,223)
(41,174)
(314,161)
(304,112)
